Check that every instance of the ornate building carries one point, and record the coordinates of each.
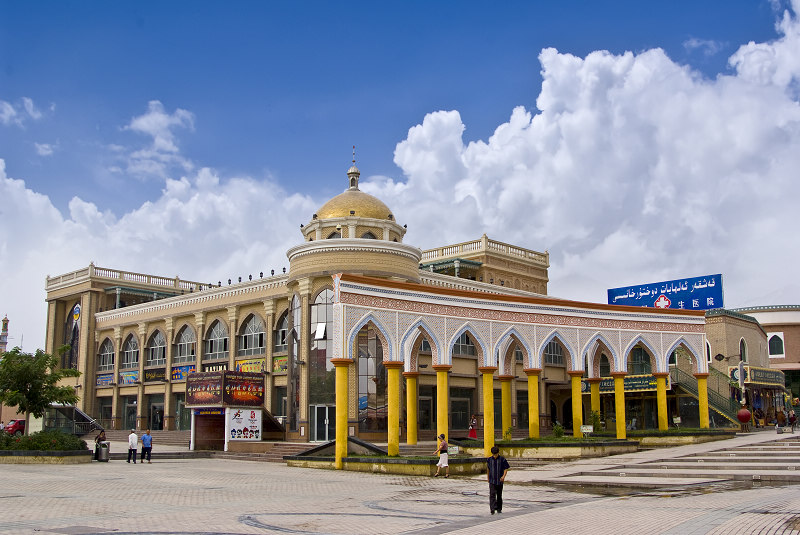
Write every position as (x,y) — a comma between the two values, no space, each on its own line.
(468,327)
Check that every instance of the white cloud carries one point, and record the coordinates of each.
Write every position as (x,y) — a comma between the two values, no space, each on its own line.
(30,108)
(707,46)
(163,154)
(8,115)
(44,149)
(17,114)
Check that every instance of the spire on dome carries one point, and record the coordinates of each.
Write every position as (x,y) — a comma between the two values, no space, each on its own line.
(353,173)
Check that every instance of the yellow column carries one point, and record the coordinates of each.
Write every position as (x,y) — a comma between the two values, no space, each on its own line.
(393,413)
(505,401)
(488,408)
(594,394)
(533,401)
(442,399)
(342,367)
(411,407)
(619,403)
(577,403)
(661,400)
(702,398)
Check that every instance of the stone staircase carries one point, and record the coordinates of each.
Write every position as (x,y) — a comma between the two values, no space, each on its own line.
(166,438)
(274,454)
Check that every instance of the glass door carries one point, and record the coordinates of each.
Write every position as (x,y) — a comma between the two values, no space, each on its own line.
(157,417)
(425,420)
(323,425)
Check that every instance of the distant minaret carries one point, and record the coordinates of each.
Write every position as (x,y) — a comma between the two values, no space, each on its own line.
(4,336)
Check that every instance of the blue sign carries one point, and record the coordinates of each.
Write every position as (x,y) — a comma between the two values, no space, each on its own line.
(696,293)
(179,373)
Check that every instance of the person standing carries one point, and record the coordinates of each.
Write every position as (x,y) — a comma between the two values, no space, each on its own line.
(473,427)
(147,446)
(97,440)
(496,469)
(441,449)
(132,442)
(792,419)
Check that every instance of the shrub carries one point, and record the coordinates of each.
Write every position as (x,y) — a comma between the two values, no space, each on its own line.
(42,441)
(558,430)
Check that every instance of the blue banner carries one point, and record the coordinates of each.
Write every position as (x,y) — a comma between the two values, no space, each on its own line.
(695,293)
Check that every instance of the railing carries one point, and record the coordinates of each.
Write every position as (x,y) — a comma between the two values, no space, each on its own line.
(485,244)
(128,276)
(725,406)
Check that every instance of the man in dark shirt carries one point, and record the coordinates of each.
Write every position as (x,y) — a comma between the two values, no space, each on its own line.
(497,468)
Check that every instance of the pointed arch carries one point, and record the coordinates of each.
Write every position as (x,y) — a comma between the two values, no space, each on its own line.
(654,355)
(480,345)
(696,359)
(593,364)
(410,348)
(386,340)
(555,335)
(501,348)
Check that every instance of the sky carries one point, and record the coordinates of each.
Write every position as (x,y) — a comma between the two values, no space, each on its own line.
(634,141)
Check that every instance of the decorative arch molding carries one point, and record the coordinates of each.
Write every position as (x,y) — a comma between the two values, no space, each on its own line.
(179,329)
(639,339)
(503,343)
(557,334)
(386,340)
(699,363)
(590,349)
(408,343)
(447,357)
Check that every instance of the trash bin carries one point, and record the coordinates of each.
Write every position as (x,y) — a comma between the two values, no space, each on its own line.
(102,452)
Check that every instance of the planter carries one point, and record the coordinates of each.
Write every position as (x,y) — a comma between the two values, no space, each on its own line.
(559,450)
(392,465)
(45,457)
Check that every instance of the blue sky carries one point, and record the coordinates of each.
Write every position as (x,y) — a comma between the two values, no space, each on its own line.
(123,124)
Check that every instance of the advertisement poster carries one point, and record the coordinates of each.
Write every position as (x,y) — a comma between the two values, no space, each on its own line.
(631,383)
(155,374)
(129,378)
(694,293)
(179,373)
(204,389)
(245,424)
(280,364)
(218,367)
(105,379)
(243,388)
(250,365)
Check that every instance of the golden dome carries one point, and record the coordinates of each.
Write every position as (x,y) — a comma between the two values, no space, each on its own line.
(363,204)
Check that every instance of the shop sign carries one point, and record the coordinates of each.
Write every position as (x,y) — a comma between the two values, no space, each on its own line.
(245,424)
(204,388)
(208,412)
(155,374)
(242,388)
(754,375)
(280,364)
(694,293)
(219,367)
(631,383)
(250,365)
(128,378)
(179,373)
(105,379)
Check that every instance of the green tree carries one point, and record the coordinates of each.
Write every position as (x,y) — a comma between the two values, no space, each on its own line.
(30,381)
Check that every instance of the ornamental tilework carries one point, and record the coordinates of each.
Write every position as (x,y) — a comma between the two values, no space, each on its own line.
(693,342)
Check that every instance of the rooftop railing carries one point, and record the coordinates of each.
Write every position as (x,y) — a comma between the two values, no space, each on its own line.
(484,244)
(93,271)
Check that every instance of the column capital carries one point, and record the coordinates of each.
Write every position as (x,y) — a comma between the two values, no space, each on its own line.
(701,375)
(532,371)
(593,380)
(412,375)
(618,374)
(393,364)
(341,362)
(660,374)
(575,373)
(506,378)
(487,370)
(442,367)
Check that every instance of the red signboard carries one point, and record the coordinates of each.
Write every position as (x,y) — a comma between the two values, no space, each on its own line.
(243,389)
(204,388)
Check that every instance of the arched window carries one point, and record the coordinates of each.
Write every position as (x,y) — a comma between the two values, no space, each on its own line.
(130,354)
(216,342)
(554,354)
(464,346)
(72,332)
(322,376)
(157,350)
(743,350)
(708,352)
(293,382)
(279,336)
(673,359)
(368,236)
(519,356)
(372,381)
(640,362)
(186,348)
(776,345)
(105,358)
(605,366)
(251,341)
(333,235)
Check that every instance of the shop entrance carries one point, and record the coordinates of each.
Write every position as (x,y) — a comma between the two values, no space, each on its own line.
(129,416)
(323,423)
(426,414)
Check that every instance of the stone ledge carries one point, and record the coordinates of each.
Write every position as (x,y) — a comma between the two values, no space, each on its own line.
(391,465)
(44,457)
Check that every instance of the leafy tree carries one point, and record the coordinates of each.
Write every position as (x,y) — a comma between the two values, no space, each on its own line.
(30,381)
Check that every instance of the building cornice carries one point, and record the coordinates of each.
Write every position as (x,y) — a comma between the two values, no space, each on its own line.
(360,245)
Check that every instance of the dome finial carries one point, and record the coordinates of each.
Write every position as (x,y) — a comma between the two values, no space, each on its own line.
(353,173)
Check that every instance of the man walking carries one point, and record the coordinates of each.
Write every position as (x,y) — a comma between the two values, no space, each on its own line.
(496,470)
(147,446)
(132,442)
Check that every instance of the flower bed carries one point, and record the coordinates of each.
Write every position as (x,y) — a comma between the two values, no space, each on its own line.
(45,447)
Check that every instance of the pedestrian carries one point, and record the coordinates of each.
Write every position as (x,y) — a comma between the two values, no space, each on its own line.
(792,419)
(496,470)
(473,427)
(147,446)
(133,440)
(441,449)
(2,425)
(101,437)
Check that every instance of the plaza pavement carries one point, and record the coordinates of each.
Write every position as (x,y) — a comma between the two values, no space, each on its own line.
(220,496)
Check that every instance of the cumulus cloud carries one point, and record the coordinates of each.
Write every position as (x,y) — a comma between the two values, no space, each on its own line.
(17,114)
(707,46)
(163,154)
(44,149)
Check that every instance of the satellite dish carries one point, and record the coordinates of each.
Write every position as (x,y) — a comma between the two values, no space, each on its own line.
(719,356)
